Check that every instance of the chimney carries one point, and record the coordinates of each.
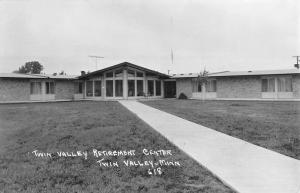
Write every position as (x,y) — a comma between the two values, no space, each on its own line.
(82,73)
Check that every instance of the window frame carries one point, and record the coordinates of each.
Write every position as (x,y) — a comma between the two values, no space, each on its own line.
(48,89)
(35,83)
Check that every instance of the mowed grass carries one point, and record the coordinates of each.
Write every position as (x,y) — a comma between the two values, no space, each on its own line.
(273,125)
(73,126)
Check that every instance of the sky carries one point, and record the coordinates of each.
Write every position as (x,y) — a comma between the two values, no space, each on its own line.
(216,35)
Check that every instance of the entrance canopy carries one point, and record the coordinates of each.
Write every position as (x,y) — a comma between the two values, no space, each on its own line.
(124,81)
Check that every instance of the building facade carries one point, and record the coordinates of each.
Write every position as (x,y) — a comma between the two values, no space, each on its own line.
(248,85)
(130,81)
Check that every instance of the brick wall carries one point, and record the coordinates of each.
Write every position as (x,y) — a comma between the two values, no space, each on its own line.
(239,87)
(184,86)
(64,89)
(14,89)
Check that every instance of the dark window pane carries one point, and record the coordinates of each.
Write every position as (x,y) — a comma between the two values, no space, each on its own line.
(109,88)
(119,88)
(89,88)
(158,87)
(49,87)
(119,73)
(264,85)
(140,87)
(80,85)
(98,87)
(150,87)
(109,74)
(130,73)
(131,88)
(199,88)
(139,74)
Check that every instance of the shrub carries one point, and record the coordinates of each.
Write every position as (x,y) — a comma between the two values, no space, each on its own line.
(182,96)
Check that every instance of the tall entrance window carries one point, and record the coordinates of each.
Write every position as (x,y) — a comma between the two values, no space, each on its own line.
(158,87)
(109,88)
(151,87)
(131,88)
(119,88)
(98,86)
(140,87)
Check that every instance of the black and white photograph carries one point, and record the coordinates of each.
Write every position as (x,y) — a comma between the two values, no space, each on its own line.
(160,96)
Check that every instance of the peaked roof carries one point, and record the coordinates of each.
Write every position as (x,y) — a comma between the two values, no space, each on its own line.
(39,76)
(124,64)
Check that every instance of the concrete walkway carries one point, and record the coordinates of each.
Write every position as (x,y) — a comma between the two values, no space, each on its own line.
(245,167)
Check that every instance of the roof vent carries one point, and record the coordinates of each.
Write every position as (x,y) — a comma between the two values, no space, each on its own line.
(250,71)
(181,74)
(190,73)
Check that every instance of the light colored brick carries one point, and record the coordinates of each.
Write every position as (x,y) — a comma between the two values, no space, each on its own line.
(14,89)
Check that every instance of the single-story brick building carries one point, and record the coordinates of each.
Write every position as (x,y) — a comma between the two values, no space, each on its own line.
(130,81)
(249,85)
(121,81)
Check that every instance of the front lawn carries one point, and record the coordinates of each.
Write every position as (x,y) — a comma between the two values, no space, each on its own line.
(273,125)
(84,126)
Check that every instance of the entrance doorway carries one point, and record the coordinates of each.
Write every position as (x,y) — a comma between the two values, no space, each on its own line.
(170,89)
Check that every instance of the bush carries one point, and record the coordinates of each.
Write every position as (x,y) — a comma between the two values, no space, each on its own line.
(182,96)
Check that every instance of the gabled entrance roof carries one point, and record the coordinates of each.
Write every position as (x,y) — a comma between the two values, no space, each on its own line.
(124,65)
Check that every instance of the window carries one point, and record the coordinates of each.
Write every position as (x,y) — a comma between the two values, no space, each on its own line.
(49,87)
(151,87)
(119,73)
(139,74)
(35,88)
(158,87)
(197,87)
(140,87)
(109,75)
(119,88)
(89,88)
(284,84)
(109,88)
(97,89)
(211,86)
(131,88)
(78,87)
(268,85)
(131,73)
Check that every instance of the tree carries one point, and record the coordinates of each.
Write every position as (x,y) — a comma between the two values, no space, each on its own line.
(33,67)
